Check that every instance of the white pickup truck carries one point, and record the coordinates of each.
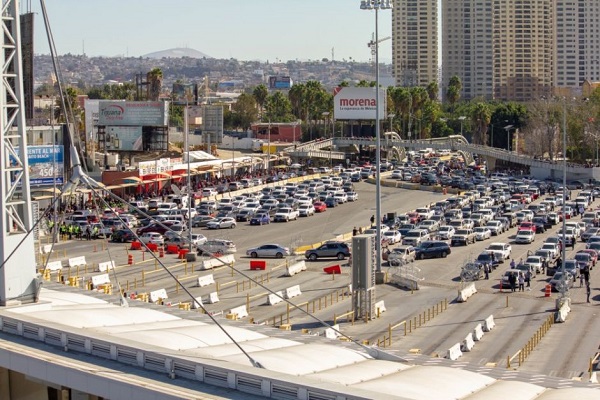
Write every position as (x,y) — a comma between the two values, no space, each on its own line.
(285,214)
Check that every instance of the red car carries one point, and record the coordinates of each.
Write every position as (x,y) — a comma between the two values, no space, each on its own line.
(593,254)
(319,206)
(526,226)
(413,217)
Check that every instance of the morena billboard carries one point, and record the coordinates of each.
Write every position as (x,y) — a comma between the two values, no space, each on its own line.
(358,103)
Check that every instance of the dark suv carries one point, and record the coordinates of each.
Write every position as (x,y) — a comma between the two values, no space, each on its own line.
(432,248)
(339,250)
(122,236)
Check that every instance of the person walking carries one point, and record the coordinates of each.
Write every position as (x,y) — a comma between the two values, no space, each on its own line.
(512,264)
(372,220)
(528,279)
(521,279)
(486,270)
(354,231)
(588,291)
(512,280)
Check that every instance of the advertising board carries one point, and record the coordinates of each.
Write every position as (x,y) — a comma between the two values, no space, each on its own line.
(280,82)
(358,103)
(133,113)
(46,165)
(124,138)
(185,93)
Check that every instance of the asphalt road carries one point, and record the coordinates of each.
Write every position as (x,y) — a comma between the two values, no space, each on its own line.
(565,350)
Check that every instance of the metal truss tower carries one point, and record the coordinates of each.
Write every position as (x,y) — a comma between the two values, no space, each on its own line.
(17,256)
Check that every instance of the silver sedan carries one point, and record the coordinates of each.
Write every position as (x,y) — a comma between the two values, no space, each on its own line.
(268,250)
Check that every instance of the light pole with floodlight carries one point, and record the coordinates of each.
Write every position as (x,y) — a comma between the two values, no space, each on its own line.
(461,119)
(377,5)
(507,128)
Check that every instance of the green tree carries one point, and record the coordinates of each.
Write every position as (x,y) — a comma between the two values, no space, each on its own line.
(155,80)
(433,91)
(278,108)
(481,117)
(453,91)
(244,111)
(260,94)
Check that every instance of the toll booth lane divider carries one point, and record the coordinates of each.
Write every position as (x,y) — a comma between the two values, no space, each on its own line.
(468,291)
(454,352)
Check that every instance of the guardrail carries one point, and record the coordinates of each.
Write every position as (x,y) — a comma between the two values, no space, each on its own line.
(413,323)
(522,354)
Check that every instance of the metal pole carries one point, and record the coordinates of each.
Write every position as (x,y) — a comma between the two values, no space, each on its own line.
(189,181)
(564,290)
(378,144)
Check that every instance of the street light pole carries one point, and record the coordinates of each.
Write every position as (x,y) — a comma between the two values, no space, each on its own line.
(376,5)
(461,119)
(507,128)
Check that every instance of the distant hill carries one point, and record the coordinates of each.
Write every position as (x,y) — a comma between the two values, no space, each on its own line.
(177,53)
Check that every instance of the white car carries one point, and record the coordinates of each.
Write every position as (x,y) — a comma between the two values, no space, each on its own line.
(495,227)
(397,174)
(504,249)
(525,237)
(198,239)
(352,196)
(306,210)
(152,237)
(392,236)
(482,233)
(446,232)
(341,197)
(219,223)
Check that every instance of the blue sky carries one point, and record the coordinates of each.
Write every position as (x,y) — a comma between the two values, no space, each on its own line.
(241,29)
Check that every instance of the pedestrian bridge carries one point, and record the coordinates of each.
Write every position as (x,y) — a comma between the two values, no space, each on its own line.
(396,148)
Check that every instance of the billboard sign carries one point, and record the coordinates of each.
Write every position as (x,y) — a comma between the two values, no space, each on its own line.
(133,113)
(46,165)
(280,82)
(124,138)
(185,93)
(358,103)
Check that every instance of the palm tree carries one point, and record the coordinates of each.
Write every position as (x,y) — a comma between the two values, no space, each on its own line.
(453,92)
(481,117)
(260,94)
(155,79)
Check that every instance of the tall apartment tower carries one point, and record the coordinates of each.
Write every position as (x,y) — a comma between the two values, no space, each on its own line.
(467,46)
(523,49)
(577,44)
(415,42)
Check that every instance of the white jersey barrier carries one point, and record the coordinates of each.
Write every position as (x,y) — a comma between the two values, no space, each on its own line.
(380,307)
(295,268)
(100,280)
(292,292)
(489,324)
(160,294)
(562,313)
(206,280)
(275,298)
(454,352)
(217,262)
(477,332)
(46,249)
(197,303)
(54,266)
(105,266)
(466,292)
(239,312)
(213,298)
(467,343)
(332,333)
(77,262)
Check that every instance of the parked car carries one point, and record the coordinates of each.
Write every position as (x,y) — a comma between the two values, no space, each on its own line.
(392,236)
(220,223)
(525,237)
(415,237)
(152,237)
(556,281)
(504,249)
(201,220)
(216,246)
(482,233)
(400,255)
(260,219)
(339,250)
(432,249)
(489,258)
(446,232)
(285,215)
(463,237)
(320,206)
(122,236)
(268,250)
(306,210)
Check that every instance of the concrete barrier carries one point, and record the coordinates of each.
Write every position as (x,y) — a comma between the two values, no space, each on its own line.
(467,343)
(477,332)
(489,324)
(295,268)
(292,292)
(275,298)
(562,313)
(160,294)
(239,312)
(77,261)
(197,303)
(213,298)
(331,333)
(258,265)
(100,280)
(454,352)
(217,262)
(206,280)
(46,249)
(380,307)
(105,266)
(54,266)
(466,292)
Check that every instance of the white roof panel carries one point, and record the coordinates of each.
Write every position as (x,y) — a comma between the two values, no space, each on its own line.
(360,372)
(429,383)
(265,343)
(570,393)
(517,390)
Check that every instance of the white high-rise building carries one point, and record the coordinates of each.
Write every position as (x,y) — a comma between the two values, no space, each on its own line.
(415,42)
